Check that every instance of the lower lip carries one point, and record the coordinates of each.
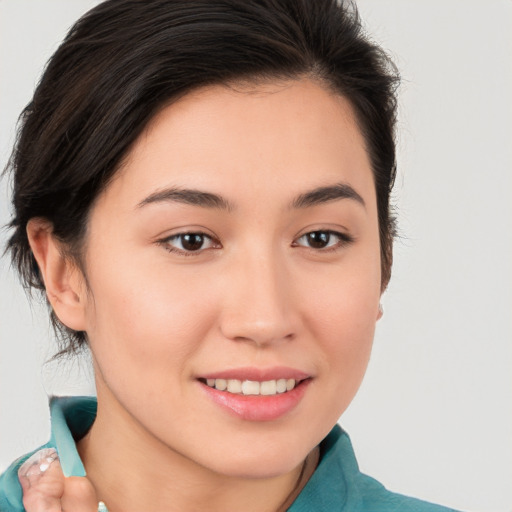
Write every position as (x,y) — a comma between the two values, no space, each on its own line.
(258,407)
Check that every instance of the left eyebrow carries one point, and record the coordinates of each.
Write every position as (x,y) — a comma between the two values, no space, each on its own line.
(326,194)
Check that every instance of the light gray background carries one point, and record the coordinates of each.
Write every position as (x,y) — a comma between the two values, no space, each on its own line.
(434,416)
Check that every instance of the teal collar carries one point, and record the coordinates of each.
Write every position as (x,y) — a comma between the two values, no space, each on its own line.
(336,485)
(72,417)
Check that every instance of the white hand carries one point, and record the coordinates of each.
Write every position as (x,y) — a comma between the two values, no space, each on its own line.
(46,489)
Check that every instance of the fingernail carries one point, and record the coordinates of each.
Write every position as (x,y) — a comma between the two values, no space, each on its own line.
(35,466)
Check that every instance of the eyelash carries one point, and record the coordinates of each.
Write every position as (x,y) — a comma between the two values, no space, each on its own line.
(343,240)
(184,252)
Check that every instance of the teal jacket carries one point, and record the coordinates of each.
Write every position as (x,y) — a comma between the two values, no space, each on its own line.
(336,485)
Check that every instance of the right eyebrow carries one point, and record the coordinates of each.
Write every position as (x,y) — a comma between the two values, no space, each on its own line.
(187,196)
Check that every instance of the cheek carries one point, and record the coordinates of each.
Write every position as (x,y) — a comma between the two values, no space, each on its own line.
(344,327)
(342,315)
(146,316)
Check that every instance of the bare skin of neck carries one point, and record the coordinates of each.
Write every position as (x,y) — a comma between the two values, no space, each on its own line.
(131,471)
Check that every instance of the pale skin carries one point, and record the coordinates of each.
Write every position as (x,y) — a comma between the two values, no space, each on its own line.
(254,291)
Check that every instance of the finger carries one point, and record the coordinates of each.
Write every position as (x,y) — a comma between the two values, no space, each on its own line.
(42,481)
(79,495)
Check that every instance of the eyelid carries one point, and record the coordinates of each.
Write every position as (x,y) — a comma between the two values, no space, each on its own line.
(165,242)
(344,239)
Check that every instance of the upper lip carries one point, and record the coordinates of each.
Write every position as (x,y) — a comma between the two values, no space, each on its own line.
(258,374)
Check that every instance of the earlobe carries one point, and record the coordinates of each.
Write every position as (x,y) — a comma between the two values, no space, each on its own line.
(63,281)
(381,312)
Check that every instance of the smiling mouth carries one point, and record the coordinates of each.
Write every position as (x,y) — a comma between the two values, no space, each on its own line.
(253,387)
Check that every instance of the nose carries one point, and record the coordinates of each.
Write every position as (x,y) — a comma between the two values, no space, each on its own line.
(259,302)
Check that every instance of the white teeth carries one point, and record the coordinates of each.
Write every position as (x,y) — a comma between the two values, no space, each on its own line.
(234,386)
(281,385)
(220,384)
(252,387)
(269,387)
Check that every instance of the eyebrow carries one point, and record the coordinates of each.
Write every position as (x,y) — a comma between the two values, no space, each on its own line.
(187,196)
(203,199)
(326,194)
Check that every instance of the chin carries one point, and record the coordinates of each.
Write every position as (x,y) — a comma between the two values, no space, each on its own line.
(261,462)
(258,469)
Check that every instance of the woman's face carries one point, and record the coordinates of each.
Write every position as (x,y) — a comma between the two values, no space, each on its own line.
(238,243)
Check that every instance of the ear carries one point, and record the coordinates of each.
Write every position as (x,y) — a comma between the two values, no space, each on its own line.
(380,312)
(63,281)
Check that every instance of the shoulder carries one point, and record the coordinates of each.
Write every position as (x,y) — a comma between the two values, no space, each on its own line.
(338,485)
(374,496)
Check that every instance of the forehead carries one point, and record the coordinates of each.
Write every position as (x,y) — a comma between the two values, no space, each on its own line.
(284,135)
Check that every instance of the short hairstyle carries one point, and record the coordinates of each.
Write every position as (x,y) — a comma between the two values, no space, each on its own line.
(126,59)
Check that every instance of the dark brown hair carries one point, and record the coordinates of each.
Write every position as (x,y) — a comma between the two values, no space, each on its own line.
(125,59)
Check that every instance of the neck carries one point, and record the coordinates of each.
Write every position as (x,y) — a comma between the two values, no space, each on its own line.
(131,470)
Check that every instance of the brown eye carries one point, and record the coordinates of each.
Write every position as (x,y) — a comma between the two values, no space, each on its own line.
(318,239)
(189,242)
(323,239)
(192,241)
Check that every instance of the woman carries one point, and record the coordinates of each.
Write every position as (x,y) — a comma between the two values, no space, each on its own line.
(202,193)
